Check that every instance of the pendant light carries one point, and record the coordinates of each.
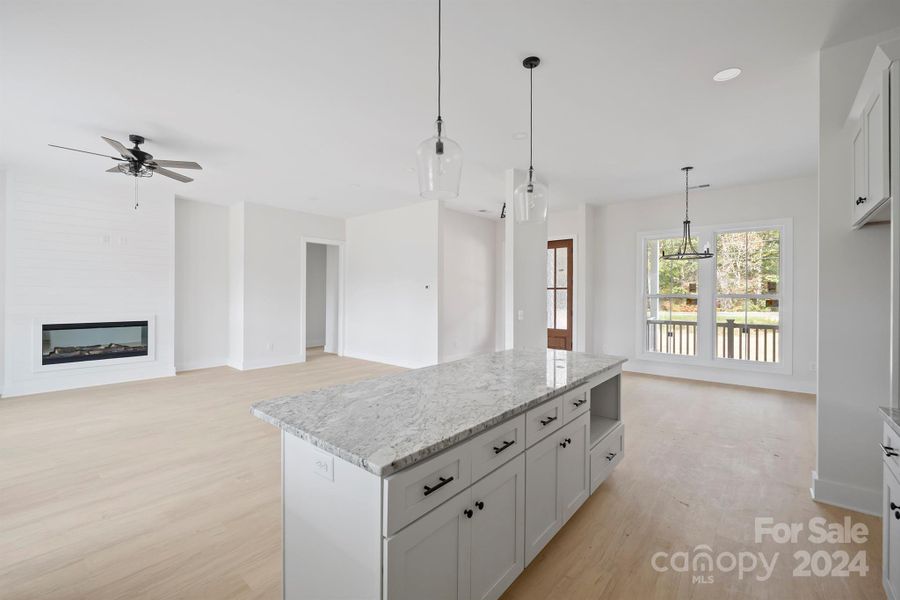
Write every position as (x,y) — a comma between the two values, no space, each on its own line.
(439,158)
(687,250)
(532,197)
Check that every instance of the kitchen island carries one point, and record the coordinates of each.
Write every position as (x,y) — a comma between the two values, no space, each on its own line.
(445,481)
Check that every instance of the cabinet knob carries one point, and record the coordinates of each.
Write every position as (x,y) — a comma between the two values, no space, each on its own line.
(480,505)
(897,515)
(563,444)
(860,200)
(468,512)
(894,506)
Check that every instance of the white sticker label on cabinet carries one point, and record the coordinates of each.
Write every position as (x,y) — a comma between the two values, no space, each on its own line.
(323,465)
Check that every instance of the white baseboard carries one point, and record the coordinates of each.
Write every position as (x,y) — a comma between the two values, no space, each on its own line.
(267,362)
(769,381)
(201,364)
(847,496)
(40,386)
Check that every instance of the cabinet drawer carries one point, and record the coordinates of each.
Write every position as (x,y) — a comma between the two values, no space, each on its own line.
(891,445)
(576,403)
(494,447)
(606,455)
(543,420)
(413,492)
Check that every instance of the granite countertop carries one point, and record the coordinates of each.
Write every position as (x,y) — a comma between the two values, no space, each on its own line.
(386,424)
(891,417)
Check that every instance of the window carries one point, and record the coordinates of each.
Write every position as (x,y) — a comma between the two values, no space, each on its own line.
(748,267)
(671,300)
(731,310)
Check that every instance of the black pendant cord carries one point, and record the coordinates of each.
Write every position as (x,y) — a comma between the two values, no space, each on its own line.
(530,127)
(439,120)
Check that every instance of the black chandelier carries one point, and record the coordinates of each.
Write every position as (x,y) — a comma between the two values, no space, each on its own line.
(687,250)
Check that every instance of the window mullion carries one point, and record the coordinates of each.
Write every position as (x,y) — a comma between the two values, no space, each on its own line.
(706,301)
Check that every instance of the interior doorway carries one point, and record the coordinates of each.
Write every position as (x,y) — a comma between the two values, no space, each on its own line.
(322,295)
(559,294)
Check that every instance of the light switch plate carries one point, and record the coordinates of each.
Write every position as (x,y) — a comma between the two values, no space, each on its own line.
(323,465)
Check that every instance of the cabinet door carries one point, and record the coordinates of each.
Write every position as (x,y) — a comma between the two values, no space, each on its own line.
(497,552)
(891,524)
(574,466)
(860,173)
(876,151)
(543,514)
(430,558)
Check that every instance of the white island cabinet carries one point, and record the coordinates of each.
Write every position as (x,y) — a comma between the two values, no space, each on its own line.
(443,482)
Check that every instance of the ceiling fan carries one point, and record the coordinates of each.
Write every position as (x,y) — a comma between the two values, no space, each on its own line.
(137,163)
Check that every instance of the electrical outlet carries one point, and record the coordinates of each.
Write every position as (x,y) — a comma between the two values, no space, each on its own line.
(812,366)
(270,346)
(520,315)
(323,465)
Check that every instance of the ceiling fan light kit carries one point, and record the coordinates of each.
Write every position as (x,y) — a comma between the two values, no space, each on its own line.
(138,163)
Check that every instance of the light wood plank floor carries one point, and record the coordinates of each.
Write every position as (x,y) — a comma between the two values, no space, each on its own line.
(170,489)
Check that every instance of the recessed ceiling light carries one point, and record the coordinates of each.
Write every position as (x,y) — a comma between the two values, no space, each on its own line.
(482,210)
(520,135)
(726,74)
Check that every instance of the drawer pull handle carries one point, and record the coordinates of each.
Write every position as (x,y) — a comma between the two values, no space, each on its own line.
(578,403)
(503,446)
(468,512)
(547,421)
(610,456)
(480,505)
(434,488)
(888,451)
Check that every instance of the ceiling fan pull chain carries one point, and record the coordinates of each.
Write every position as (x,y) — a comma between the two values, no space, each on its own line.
(136,203)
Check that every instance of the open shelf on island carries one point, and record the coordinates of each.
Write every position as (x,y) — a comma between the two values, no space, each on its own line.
(600,426)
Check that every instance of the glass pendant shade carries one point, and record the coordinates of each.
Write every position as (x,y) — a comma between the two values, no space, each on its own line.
(531,202)
(440,168)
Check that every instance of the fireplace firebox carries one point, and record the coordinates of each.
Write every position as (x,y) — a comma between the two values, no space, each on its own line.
(76,342)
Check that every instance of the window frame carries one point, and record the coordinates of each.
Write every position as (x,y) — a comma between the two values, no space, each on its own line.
(705,355)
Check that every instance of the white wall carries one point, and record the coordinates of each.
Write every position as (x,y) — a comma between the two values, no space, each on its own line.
(3,284)
(854,301)
(273,272)
(236,268)
(79,255)
(316,258)
(525,275)
(617,227)
(391,302)
(201,284)
(467,285)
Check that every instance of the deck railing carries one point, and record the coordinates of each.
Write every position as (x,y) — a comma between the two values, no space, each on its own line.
(756,342)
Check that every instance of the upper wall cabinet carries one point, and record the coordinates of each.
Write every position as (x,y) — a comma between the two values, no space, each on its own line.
(872,142)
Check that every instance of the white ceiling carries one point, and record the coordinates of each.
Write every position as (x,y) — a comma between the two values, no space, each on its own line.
(319,105)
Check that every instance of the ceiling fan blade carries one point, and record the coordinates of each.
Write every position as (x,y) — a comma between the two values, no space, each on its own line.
(85,152)
(178,164)
(172,175)
(125,152)
(114,170)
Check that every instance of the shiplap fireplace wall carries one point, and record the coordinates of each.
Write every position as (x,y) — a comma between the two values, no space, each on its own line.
(78,257)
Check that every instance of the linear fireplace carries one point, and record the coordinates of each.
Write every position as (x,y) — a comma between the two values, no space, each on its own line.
(77,342)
